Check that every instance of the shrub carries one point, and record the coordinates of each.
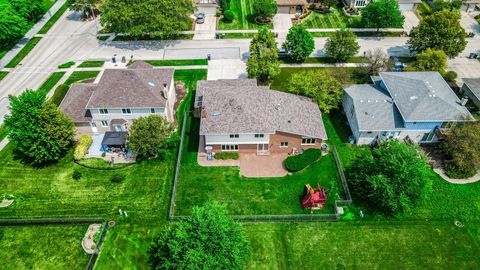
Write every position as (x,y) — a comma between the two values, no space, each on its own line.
(77,174)
(81,149)
(300,162)
(228,15)
(59,94)
(454,172)
(118,178)
(226,155)
(451,76)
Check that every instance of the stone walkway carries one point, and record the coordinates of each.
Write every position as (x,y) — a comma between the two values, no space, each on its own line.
(470,180)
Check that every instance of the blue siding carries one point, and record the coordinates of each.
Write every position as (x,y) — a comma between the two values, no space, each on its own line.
(422,125)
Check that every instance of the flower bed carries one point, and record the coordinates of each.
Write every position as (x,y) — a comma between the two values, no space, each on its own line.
(350,11)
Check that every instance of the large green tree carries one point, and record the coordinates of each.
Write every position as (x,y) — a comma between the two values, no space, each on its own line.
(299,43)
(441,31)
(393,179)
(341,45)
(12,26)
(318,84)
(152,137)
(462,146)
(430,60)
(263,61)
(207,239)
(156,18)
(382,14)
(37,128)
(88,7)
(264,8)
(31,10)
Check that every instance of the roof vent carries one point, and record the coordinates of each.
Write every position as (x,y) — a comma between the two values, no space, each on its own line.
(289,121)
(277,107)
(151,84)
(413,97)
(216,113)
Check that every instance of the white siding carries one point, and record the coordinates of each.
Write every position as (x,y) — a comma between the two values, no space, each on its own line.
(117,113)
(242,139)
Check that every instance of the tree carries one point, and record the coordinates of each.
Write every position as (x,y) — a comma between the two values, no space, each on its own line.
(38,129)
(263,61)
(341,45)
(87,7)
(264,8)
(377,61)
(393,179)
(382,14)
(319,85)
(151,137)
(12,26)
(207,239)
(299,43)
(31,10)
(440,31)
(462,146)
(154,18)
(430,60)
(439,5)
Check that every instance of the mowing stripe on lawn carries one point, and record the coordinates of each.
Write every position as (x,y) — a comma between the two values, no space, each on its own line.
(244,14)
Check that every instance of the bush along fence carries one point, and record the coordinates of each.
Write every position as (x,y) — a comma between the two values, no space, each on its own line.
(335,216)
(65,221)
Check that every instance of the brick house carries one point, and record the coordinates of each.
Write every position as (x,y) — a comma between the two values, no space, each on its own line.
(238,115)
(120,96)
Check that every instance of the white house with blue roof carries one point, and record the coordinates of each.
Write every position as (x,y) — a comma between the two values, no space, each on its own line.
(414,106)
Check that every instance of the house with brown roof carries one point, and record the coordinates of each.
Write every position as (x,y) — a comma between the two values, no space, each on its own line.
(120,96)
(291,6)
(238,115)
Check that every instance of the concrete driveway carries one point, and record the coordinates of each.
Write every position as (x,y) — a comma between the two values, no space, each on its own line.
(464,67)
(469,23)
(411,20)
(206,30)
(281,24)
(227,69)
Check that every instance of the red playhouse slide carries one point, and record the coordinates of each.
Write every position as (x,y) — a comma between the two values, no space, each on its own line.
(313,198)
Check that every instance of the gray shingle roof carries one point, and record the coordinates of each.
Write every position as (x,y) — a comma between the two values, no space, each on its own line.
(474,85)
(76,100)
(374,109)
(423,96)
(240,106)
(136,87)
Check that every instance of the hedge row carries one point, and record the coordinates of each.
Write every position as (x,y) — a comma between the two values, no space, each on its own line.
(300,162)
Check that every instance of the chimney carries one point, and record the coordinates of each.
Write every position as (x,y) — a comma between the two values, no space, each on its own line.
(165,91)
(464,101)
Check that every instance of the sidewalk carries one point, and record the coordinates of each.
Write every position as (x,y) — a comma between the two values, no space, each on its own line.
(312,65)
(31,33)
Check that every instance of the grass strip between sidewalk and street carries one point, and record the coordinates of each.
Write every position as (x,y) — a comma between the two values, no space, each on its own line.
(92,64)
(186,62)
(55,17)
(3,74)
(23,52)
(50,82)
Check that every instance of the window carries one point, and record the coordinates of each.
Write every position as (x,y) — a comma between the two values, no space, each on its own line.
(283,144)
(259,135)
(104,123)
(229,147)
(308,141)
(234,135)
(103,111)
(152,110)
(360,3)
(126,111)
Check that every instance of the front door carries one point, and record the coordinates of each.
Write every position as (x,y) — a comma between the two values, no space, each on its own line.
(94,127)
(118,128)
(262,149)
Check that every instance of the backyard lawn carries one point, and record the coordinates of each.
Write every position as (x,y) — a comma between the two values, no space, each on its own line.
(42,247)
(243,11)
(334,19)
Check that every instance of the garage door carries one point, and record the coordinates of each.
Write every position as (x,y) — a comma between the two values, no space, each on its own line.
(284,10)
(207,10)
(406,6)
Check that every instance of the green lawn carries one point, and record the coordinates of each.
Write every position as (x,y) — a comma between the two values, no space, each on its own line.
(3,74)
(334,19)
(92,64)
(325,60)
(42,247)
(51,82)
(362,34)
(243,11)
(77,76)
(361,245)
(66,65)
(55,18)
(23,52)
(186,62)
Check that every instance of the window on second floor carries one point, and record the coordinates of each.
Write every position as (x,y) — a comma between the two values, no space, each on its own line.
(259,135)
(126,111)
(152,110)
(234,136)
(103,111)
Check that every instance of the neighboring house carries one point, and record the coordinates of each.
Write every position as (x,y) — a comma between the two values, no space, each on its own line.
(404,5)
(238,115)
(206,6)
(417,105)
(291,7)
(471,88)
(120,96)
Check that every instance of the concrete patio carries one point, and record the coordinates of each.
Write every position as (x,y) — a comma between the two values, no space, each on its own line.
(253,165)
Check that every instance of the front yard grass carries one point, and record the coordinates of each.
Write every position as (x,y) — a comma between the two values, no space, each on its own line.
(244,19)
(42,247)
(335,19)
